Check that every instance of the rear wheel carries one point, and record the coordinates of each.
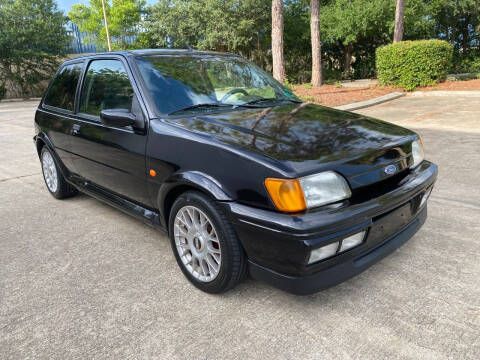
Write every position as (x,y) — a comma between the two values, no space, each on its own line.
(56,183)
(204,243)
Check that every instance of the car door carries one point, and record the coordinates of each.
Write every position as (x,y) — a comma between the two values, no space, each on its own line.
(55,116)
(110,157)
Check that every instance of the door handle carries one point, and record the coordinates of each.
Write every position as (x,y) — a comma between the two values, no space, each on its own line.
(76,129)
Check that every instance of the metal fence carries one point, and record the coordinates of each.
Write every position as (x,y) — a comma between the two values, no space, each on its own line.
(79,45)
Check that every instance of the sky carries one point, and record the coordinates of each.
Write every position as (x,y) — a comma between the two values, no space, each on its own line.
(66,5)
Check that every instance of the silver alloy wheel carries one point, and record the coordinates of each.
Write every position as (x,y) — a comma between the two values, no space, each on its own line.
(49,171)
(197,243)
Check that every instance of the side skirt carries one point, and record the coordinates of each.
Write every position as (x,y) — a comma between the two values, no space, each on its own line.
(148,216)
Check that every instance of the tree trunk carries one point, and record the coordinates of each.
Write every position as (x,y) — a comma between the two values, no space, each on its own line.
(348,59)
(398,33)
(454,32)
(465,39)
(316,43)
(277,41)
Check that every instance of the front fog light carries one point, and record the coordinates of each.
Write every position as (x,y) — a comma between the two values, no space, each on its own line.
(352,241)
(323,252)
(425,197)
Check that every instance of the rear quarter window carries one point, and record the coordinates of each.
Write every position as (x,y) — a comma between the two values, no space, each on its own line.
(61,93)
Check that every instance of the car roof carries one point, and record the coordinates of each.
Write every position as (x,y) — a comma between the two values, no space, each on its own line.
(143,52)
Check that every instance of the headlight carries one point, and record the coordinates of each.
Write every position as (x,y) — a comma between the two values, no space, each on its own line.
(324,188)
(293,195)
(417,153)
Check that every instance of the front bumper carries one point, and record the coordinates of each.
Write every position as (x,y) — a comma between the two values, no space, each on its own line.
(309,284)
(278,245)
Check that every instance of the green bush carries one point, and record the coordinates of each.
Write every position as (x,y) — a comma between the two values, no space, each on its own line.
(471,65)
(466,63)
(410,64)
(475,65)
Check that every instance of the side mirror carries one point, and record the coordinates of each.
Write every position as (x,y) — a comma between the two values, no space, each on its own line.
(117,117)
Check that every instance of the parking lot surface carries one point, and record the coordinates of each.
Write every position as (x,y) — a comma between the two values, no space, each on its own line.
(80,279)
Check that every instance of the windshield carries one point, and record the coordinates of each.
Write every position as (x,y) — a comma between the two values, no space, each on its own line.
(179,83)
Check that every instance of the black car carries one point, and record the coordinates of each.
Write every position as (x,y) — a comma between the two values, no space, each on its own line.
(242,175)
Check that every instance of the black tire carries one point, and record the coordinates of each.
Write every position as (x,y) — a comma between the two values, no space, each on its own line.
(233,260)
(63,189)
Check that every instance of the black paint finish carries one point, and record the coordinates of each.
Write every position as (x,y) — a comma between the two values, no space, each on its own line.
(228,154)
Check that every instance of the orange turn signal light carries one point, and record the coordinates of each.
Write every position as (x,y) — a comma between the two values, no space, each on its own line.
(152,173)
(286,194)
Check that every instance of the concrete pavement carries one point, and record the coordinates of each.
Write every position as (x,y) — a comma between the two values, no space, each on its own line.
(80,279)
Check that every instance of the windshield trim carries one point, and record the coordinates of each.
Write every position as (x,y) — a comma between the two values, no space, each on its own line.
(235,107)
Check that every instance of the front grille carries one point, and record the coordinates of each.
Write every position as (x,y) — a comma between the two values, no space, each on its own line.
(379,188)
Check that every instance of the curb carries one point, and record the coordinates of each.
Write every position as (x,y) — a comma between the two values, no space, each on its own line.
(19,100)
(454,77)
(359,83)
(371,102)
(469,93)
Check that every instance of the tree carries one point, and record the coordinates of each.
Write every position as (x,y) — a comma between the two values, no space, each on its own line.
(32,37)
(458,22)
(124,19)
(353,22)
(277,41)
(297,40)
(240,26)
(399,13)
(316,43)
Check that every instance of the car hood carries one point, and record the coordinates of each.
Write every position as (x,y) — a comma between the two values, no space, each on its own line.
(309,138)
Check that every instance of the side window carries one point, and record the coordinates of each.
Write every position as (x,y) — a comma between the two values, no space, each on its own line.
(106,87)
(62,92)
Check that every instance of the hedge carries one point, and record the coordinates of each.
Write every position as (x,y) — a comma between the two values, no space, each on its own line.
(410,64)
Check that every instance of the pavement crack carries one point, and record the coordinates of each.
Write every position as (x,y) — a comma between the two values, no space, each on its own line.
(19,177)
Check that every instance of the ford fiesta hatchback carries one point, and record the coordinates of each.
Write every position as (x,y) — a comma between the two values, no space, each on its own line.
(242,175)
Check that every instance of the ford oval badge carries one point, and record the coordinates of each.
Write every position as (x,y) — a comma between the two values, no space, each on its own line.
(390,169)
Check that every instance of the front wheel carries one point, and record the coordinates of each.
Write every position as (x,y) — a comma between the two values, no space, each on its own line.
(204,243)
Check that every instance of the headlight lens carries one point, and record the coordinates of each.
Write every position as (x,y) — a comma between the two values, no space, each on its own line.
(323,253)
(417,153)
(352,241)
(293,195)
(324,188)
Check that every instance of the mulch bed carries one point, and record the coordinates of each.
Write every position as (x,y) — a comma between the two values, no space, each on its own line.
(333,95)
(454,85)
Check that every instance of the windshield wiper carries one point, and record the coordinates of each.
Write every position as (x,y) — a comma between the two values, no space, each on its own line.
(264,100)
(201,106)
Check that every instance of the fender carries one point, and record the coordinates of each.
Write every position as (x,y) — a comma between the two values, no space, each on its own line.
(190,179)
(41,136)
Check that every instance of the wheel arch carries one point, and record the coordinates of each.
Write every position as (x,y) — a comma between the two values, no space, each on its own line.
(182,182)
(39,144)
(42,140)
